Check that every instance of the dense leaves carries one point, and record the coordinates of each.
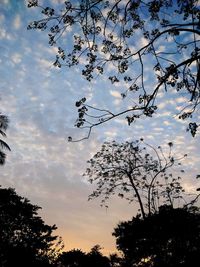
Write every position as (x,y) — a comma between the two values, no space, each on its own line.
(77,258)
(167,238)
(25,240)
(72,258)
(150,47)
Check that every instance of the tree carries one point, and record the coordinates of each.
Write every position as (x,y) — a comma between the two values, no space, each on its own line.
(115,260)
(168,238)
(25,240)
(3,146)
(77,258)
(96,258)
(138,172)
(152,47)
(72,258)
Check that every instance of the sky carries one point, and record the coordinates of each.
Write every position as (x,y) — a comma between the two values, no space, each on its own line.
(40,103)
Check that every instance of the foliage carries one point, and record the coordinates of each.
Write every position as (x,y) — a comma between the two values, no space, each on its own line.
(115,260)
(150,47)
(138,172)
(24,237)
(167,238)
(72,258)
(96,258)
(3,146)
(77,258)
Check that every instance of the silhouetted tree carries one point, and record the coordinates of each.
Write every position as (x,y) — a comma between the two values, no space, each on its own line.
(138,172)
(115,260)
(96,258)
(3,146)
(167,238)
(72,258)
(77,258)
(25,240)
(129,41)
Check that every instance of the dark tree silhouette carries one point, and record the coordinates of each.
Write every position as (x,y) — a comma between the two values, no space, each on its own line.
(77,258)
(129,41)
(3,146)
(25,240)
(167,238)
(72,258)
(137,172)
(96,258)
(115,260)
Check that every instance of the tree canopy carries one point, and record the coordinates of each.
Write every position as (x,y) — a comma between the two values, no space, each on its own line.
(25,240)
(150,48)
(77,258)
(72,258)
(168,238)
(138,172)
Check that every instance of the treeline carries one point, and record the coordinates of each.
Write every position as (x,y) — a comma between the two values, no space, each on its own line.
(168,237)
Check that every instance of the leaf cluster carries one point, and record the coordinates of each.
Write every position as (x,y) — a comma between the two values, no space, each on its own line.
(107,34)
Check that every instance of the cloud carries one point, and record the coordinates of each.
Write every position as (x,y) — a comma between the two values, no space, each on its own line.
(5,35)
(43,63)
(115,94)
(162,105)
(16,58)
(181,100)
(167,123)
(2,18)
(121,121)
(158,129)
(6,2)
(17,22)
(111,134)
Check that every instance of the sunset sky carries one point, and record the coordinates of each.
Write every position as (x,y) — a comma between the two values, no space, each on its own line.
(42,166)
